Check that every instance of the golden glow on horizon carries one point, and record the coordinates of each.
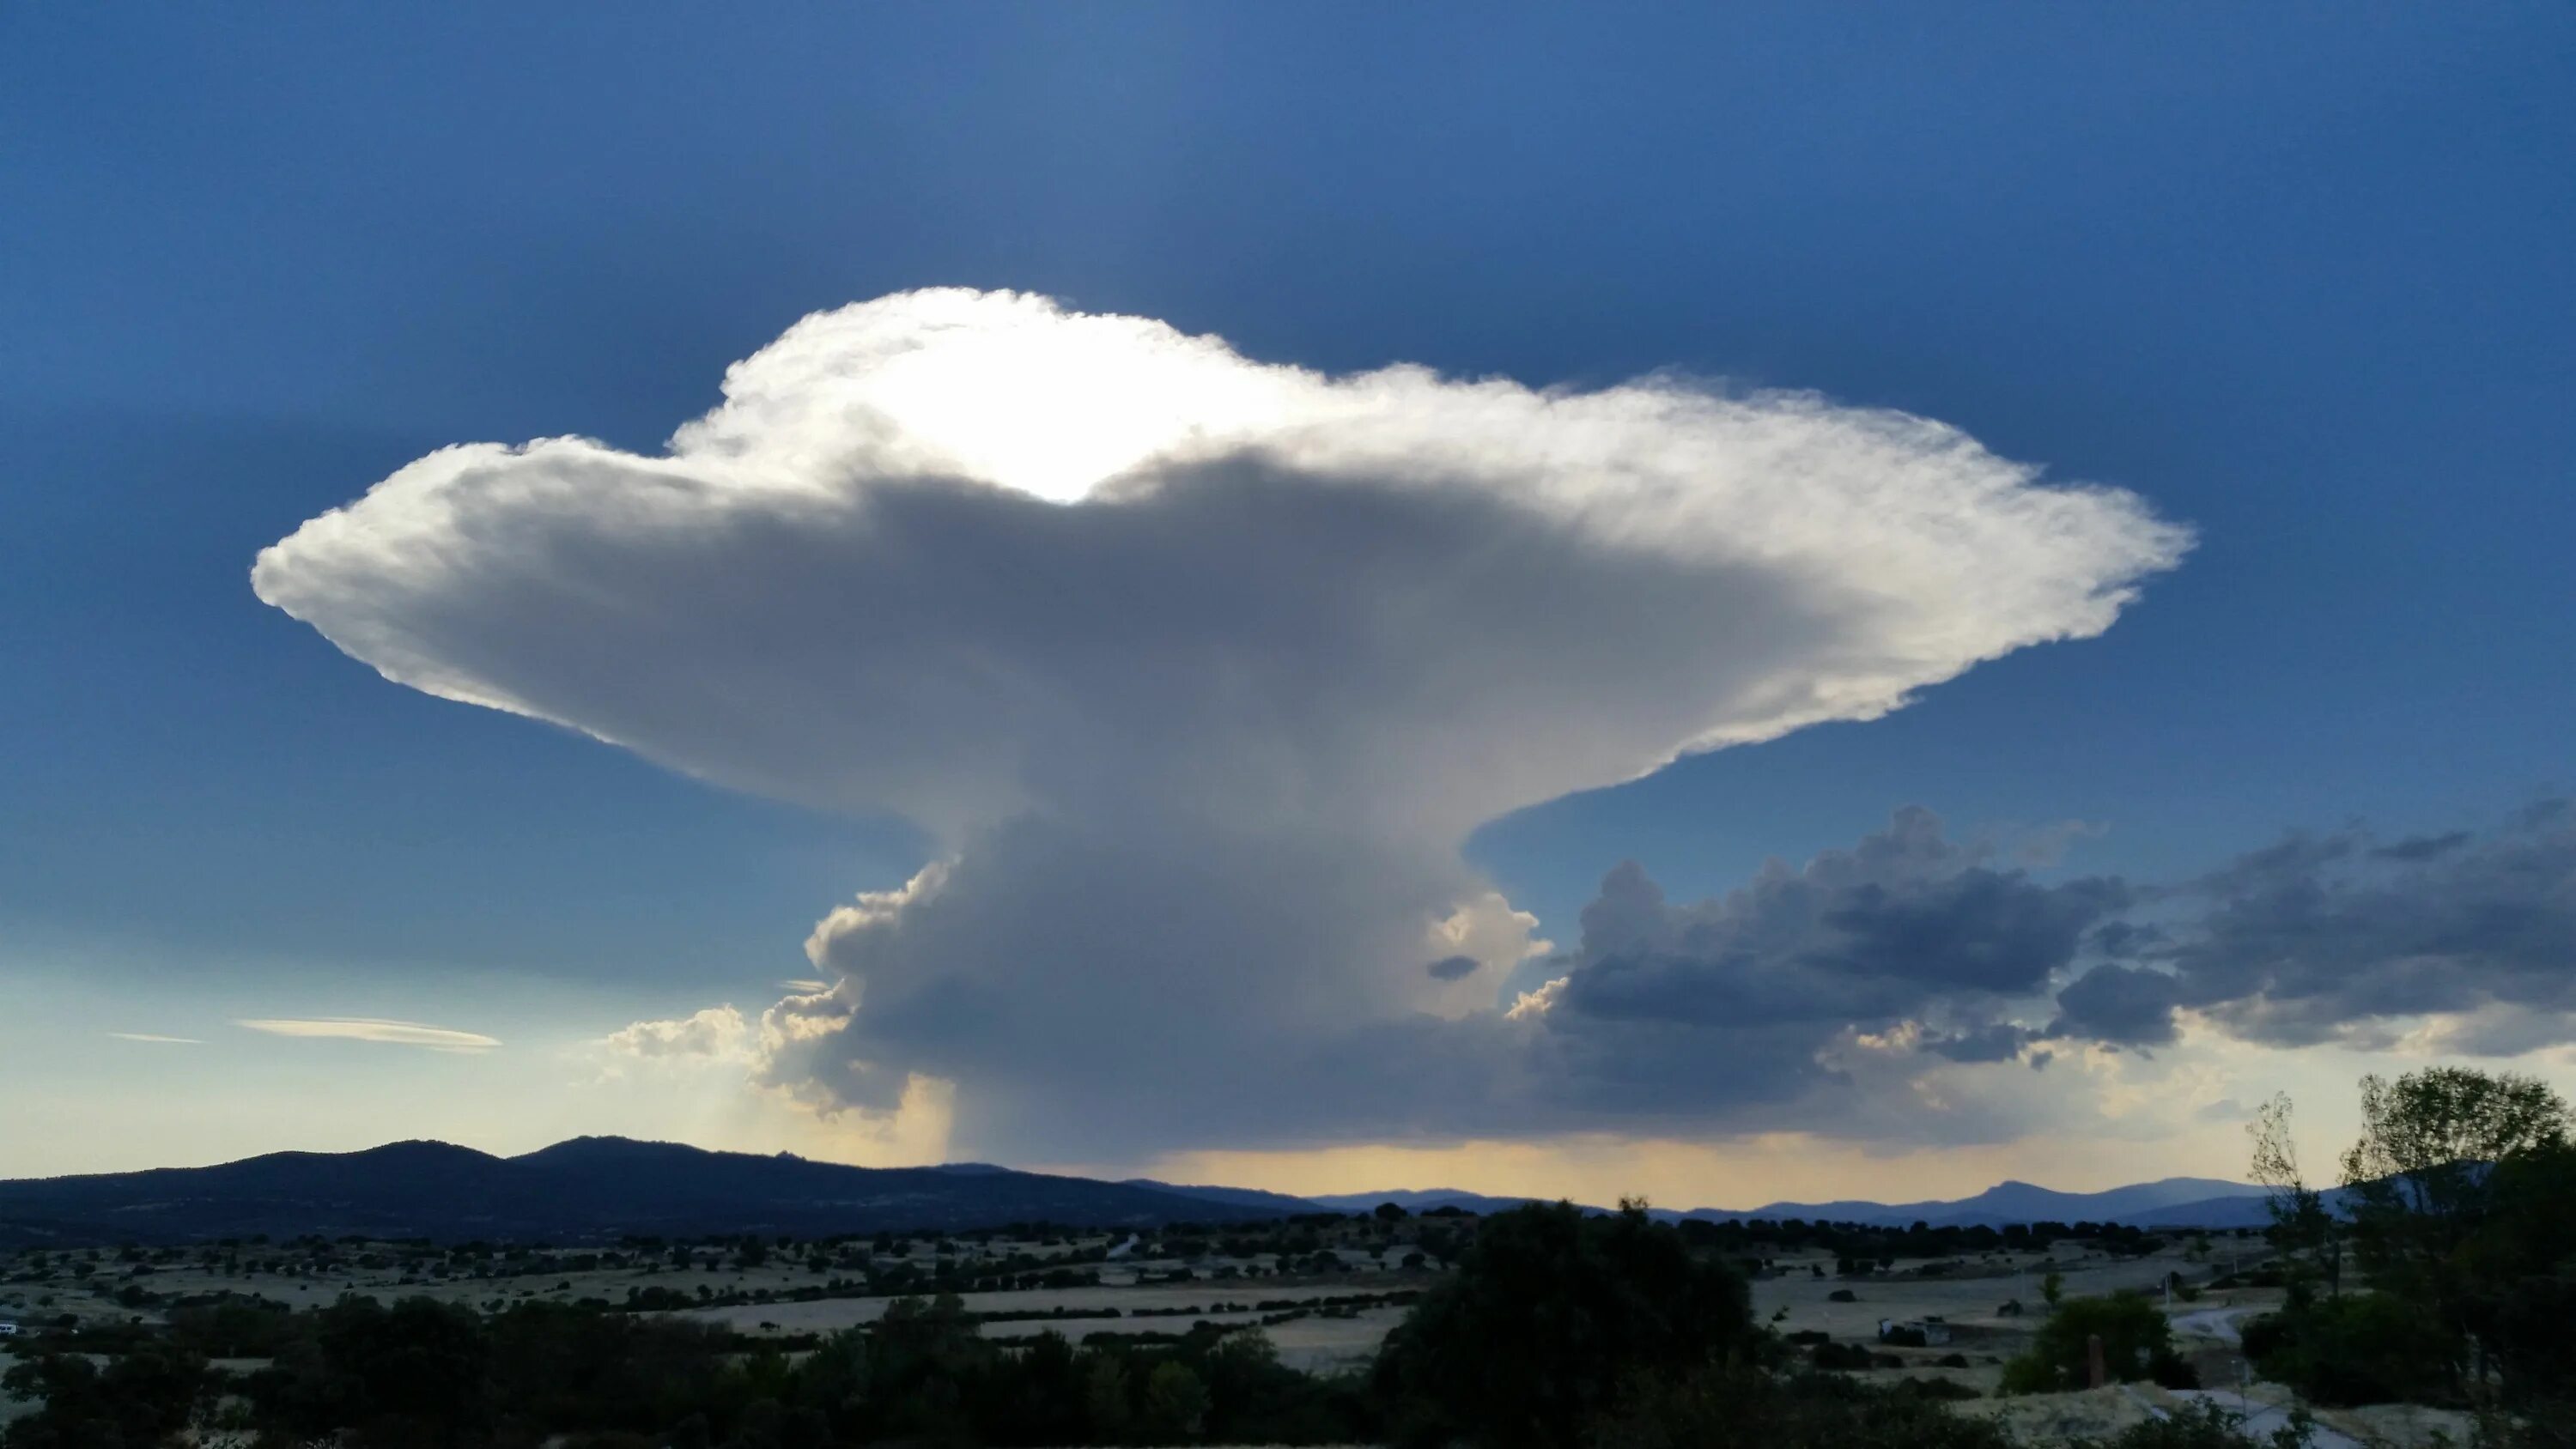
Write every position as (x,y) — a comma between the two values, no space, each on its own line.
(1743,1173)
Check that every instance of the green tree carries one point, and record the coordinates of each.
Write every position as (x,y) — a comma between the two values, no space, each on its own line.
(2358,1348)
(1546,1315)
(2137,1343)
(2456,1190)
(1176,1402)
(2301,1222)
(2423,1175)
(141,1398)
(1104,1399)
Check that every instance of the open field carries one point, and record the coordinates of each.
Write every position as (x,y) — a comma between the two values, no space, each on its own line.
(100,1289)
(1793,1293)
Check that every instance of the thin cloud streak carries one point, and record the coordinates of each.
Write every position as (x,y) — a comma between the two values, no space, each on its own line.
(374,1029)
(157,1037)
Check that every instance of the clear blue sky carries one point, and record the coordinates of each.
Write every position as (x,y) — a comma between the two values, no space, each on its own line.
(2299,276)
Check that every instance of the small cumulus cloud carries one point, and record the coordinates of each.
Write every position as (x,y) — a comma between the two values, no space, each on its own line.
(718,1032)
(372,1029)
(1531,1005)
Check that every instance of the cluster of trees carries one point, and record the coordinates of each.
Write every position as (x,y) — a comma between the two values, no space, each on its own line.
(1562,1331)
(2454,1220)
(438,1376)
(1857,1247)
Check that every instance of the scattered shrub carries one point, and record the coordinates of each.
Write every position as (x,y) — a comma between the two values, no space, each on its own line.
(1938,1388)
(1743,1409)
(1839,1357)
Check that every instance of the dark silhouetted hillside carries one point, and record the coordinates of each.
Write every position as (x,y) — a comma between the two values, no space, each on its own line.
(590,1187)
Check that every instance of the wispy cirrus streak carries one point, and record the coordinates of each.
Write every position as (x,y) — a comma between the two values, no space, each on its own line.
(375,1029)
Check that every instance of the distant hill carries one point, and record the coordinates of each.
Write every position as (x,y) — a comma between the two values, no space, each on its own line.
(1417,1200)
(604,1187)
(1273,1204)
(590,1187)
(2171,1202)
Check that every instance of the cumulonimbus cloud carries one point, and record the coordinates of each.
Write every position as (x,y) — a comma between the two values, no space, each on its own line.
(1198,669)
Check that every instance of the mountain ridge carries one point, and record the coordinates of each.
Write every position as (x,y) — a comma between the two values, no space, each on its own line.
(604,1187)
(583,1188)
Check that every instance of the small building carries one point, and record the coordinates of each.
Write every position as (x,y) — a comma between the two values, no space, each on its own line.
(1913,1332)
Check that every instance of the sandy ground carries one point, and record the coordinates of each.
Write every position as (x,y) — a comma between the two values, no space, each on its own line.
(827,1315)
(93,1301)
(2055,1418)
(1315,1345)
(1968,1297)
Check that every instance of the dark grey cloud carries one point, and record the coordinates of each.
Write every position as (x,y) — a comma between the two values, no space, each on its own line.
(2119,1006)
(1453,968)
(2317,937)
(2000,1041)
(2320,937)
(2422,847)
(1904,924)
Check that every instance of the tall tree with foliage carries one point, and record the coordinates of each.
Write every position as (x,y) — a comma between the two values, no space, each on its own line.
(2301,1222)
(2423,1175)
(2458,1193)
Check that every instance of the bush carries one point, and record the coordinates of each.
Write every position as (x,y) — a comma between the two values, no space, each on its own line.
(2361,1348)
(2202,1425)
(2137,1343)
(1948,1390)
(1839,1357)
(1737,1408)
(1547,1314)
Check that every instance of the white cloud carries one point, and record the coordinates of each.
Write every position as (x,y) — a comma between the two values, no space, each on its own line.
(718,1031)
(149,1036)
(374,1029)
(1530,1005)
(1199,669)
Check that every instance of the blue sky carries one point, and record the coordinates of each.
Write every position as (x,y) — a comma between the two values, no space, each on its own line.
(2297,278)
